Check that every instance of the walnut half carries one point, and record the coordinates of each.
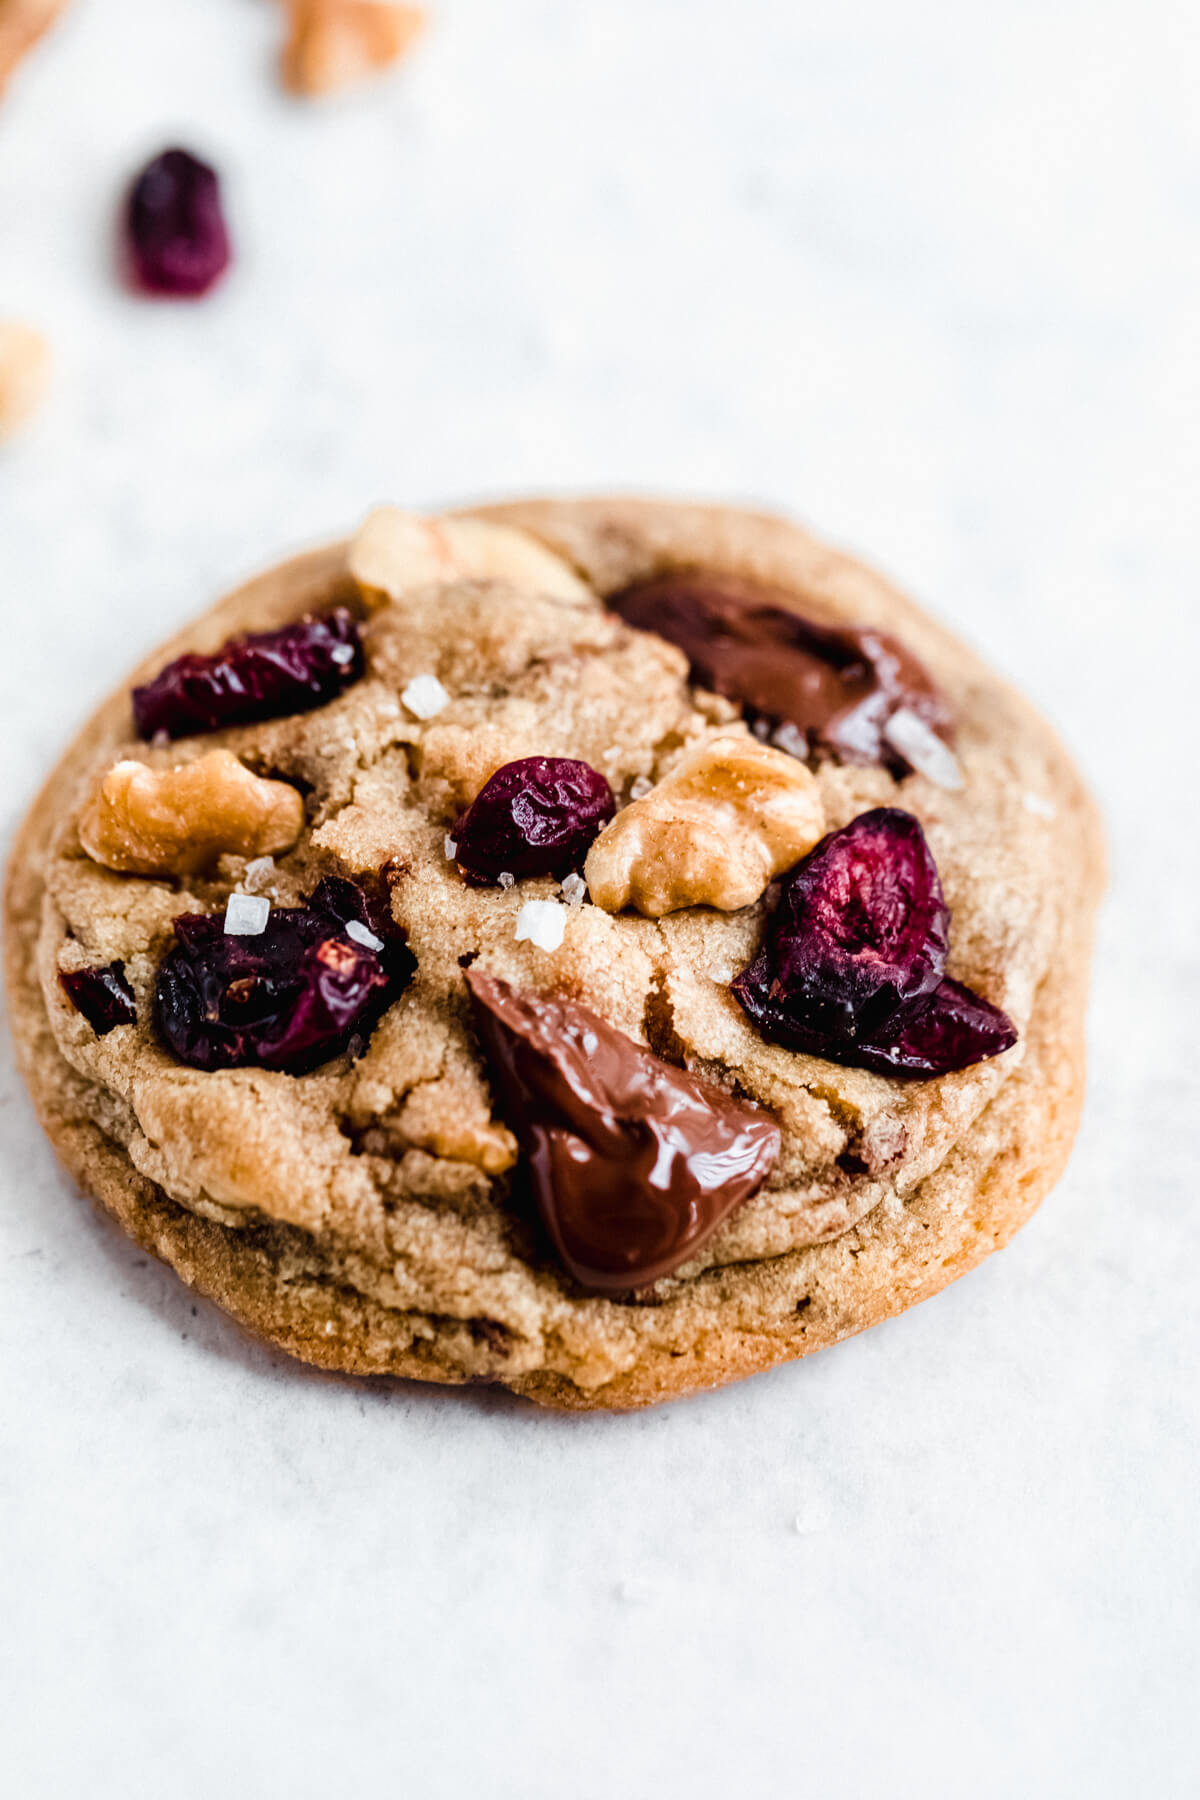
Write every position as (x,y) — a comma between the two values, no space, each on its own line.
(730,816)
(144,821)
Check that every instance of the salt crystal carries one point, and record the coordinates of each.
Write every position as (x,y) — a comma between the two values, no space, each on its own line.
(450,847)
(641,787)
(1040,807)
(541,923)
(160,740)
(259,875)
(362,936)
(425,696)
(342,653)
(506,880)
(906,732)
(790,738)
(246,915)
(574,888)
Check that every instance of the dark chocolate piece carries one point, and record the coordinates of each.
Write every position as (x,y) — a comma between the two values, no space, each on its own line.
(634,1162)
(832,688)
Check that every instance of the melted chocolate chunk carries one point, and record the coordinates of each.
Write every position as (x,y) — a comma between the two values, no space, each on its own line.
(634,1162)
(103,996)
(836,688)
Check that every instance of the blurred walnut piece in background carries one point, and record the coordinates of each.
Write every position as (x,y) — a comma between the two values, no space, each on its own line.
(24,374)
(22,23)
(334,43)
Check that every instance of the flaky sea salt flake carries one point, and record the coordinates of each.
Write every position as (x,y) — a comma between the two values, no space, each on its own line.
(908,733)
(363,935)
(425,697)
(1040,807)
(246,915)
(574,888)
(541,923)
(450,847)
(506,878)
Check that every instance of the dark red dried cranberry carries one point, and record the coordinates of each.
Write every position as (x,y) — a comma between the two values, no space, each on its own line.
(263,676)
(858,937)
(103,996)
(833,688)
(852,965)
(304,989)
(175,230)
(954,1029)
(537,816)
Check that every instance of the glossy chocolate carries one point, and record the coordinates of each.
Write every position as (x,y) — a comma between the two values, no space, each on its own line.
(836,687)
(634,1162)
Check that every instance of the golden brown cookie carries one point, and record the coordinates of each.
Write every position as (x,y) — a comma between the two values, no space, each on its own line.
(375,1212)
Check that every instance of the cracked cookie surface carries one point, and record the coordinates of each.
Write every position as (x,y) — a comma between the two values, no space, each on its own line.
(370,1215)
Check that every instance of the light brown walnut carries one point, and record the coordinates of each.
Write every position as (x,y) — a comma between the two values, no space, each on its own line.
(334,43)
(730,816)
(144,821)
(396,552)
(22,23)
(24,373)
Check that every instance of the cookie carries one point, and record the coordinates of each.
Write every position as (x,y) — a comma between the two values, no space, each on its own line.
(601,947)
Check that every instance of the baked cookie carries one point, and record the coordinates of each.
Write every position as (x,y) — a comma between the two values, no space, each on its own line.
(603,947)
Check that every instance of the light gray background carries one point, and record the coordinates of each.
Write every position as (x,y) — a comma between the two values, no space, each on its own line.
(928,275)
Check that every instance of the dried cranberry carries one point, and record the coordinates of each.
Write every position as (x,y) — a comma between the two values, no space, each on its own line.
(853,961)
(953,1030)
(859,935)
(302,990)
(103,996)
(537,816)
(263,676)
(176,233)
(831,689)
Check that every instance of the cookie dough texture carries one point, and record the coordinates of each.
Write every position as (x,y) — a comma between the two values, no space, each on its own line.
(363,1217)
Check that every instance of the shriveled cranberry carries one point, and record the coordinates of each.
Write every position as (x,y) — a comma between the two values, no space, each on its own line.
(859,935)
(262,676)
(103,996)
(954,1029)
(174,226)
(831,689)
(304,989)
(852,966)
(537,816)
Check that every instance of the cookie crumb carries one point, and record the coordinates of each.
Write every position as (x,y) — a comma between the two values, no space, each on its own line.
(542,923)
(425,697)
(246,915)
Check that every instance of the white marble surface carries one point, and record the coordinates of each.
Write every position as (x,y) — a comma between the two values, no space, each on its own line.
(928,276)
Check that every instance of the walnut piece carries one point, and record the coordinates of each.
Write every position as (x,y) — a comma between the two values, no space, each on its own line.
(730,816)
(395,552)
(334,43)
(24,372)
(22,23)
(144,821)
